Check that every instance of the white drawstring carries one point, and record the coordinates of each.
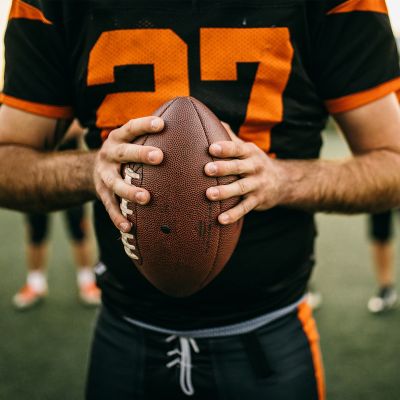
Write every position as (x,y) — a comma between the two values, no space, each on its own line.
(129,174)
(185,361)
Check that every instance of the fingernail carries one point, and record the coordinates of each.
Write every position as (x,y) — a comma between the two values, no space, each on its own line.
(154,156)
(125,227)
(155,124)
(213,192)
(211,168)
(223,218)
(141,197)
(216,148)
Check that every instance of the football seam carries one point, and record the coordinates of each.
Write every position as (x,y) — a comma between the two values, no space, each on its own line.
(169,105)
(219,204)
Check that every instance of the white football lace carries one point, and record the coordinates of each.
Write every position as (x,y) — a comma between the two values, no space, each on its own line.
(184,361)
(125,236)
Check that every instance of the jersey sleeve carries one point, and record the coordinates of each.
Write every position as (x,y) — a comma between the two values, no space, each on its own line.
(36,77)
(355,54)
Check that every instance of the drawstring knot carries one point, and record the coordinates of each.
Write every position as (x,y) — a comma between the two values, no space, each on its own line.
(184,360)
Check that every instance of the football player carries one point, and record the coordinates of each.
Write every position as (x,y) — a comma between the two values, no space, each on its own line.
(273,71)
(36,288)
(381,233)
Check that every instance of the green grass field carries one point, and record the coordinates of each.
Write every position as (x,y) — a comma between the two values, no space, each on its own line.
(43,352)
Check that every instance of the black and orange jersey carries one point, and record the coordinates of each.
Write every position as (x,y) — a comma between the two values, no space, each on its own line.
(272,69)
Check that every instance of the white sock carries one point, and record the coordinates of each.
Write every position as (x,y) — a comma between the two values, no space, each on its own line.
(85,276)
(37,280)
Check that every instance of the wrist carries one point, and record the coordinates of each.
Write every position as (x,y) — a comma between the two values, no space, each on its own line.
(290,175)
(89,182)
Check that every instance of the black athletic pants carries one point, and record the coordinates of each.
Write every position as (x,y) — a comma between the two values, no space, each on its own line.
(381,226)
(278,361)
(38,225)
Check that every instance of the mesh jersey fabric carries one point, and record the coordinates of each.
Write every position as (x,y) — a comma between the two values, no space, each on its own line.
(272,69)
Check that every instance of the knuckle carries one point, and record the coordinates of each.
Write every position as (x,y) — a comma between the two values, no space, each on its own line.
(112,136)
(214,168)
(115,218)
(256,166)
(237,166)
(247,148)
(131,125)
(108,180)
(128,192)
(221,193)
(108,205)
(140,153)
(242,186)
(120,151)
(237,147)
(103,153)
(252,146)
(245,207)
(99,189)
(258,200)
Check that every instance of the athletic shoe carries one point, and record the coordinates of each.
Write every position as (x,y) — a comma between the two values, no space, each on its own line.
(90,294)
(314,299)
(385,300)
(28,297)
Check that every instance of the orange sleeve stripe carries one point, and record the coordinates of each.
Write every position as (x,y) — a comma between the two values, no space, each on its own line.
(44,110)
(352,101)
(20,9)
(378,6)
(304,315)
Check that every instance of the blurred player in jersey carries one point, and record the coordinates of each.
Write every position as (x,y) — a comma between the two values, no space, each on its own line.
(381,233)
(37,224)
(273,71)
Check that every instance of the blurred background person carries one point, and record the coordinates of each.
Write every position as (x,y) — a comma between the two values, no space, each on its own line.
(382,251)
(314,296)
(36,287)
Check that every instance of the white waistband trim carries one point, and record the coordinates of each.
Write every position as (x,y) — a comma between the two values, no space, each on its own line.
(221,331)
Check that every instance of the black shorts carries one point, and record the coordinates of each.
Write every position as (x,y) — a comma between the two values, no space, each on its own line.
(381,226)
(38,225)
(280,360)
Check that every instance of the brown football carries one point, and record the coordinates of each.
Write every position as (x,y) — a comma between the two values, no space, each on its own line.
(176,241)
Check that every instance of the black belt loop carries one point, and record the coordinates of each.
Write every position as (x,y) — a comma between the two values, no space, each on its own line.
(257,356)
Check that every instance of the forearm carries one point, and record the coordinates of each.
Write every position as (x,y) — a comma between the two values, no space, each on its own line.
(36,181)
(366,183)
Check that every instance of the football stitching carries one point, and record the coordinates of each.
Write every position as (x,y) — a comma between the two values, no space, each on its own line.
(129,237)
(219,204)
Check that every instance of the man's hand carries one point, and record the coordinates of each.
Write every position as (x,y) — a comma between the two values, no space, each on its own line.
(367,182)
(260,180)
(117,149)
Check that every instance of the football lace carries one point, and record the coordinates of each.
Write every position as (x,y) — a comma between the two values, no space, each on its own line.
(125,236)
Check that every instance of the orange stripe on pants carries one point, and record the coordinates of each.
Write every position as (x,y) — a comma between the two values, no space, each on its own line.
(310,329)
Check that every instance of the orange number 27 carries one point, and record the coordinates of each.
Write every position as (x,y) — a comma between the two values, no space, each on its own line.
(221,49)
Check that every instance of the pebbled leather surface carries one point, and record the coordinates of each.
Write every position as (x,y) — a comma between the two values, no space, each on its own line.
(180,244)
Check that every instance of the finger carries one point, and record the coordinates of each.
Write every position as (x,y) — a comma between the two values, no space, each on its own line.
(126,152)
(230,149)
(231,134)
(237,212)
(113,210)
(130,192)
(238,188)
(113,182)
(231,167)
(136,127)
